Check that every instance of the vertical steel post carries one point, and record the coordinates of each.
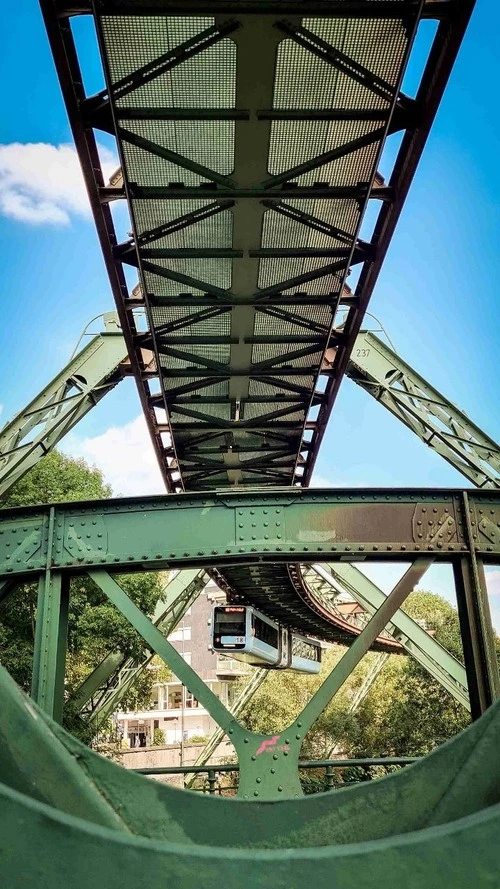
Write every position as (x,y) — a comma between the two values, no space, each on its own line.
(475,624)
(212,780)
(49,654)
(329,777)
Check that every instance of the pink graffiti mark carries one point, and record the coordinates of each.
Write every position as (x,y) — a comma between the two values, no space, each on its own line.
(269,742)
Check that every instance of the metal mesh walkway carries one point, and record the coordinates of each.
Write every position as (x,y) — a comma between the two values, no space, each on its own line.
(249,137)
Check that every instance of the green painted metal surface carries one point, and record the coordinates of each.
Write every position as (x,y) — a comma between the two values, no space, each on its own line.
(49,655)
(428,413)
(283,525)
(180,593)
(80,385)
(90,823)
(236,362)
(268,763)
(414,639)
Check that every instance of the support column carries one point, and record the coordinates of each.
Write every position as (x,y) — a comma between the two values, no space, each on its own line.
(478,638)
(271,768)
(477,634)
(49,656)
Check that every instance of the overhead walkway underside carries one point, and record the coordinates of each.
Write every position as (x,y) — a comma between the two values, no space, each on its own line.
(242,293)
(249,140)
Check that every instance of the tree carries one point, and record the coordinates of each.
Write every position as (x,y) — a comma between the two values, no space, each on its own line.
(95,627)
(405,712)
(419,713)
(284,694)
(57,479)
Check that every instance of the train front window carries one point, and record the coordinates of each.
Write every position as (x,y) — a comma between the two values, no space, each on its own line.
(229,623)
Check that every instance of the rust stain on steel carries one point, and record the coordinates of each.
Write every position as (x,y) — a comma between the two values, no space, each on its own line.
(376,523)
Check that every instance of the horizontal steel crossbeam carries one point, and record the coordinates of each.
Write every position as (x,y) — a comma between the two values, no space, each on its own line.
(281,525)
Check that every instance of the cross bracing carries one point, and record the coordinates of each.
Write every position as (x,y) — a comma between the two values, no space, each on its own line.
(62,793)
(249,138)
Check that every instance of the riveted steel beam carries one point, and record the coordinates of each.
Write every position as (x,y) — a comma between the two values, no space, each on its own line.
(355,9)
(279,525)
(81,384)
(49,655)
(291,191)
(428,413)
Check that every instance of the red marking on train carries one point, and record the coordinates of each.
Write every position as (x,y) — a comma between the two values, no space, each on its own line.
(269,742)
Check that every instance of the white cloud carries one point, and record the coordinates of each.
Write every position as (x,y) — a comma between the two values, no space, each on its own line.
(337,481)
(125,456)
(320,481)
(493,580)
(43,183)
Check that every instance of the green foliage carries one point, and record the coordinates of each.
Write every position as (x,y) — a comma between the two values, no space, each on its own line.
(57,479)
(198,739)
(158,737)
(161,673)
(405,712)
(95,626)
(416,712)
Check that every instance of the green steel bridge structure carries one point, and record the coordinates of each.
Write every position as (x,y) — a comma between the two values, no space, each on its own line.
(249,134)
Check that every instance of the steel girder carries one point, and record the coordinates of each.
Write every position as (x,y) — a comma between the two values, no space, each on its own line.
(237,356)
(432,417)
(81,384)
(416,641)
(281,526)
(263,527)
(434,823)
(283,776)
(264,585)
(104,687)
(255,779)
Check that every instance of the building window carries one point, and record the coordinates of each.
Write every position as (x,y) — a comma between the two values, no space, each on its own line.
(181,634)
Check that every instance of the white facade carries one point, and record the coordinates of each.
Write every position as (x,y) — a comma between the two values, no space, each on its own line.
(173,710)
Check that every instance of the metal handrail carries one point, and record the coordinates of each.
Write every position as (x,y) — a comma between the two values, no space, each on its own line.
(329,765)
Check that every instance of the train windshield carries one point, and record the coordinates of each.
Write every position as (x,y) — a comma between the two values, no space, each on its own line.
(229,621)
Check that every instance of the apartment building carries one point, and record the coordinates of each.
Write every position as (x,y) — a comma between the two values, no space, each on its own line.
(173,710)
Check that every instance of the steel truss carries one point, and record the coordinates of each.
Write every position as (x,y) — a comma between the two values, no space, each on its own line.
(328,581)
(237,351)
(81,384)
(101,692)
(477,634)
(424,410)
(373,366)
(53,542)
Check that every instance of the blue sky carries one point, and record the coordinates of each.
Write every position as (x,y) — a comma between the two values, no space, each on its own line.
(437,295)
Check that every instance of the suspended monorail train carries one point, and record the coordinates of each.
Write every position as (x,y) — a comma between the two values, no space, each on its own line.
(242,632)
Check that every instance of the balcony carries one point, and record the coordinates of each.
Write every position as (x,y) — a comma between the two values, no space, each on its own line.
(228,666)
